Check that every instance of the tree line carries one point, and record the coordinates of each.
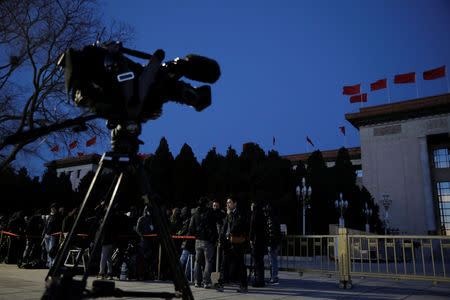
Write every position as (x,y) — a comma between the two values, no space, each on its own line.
(251,176)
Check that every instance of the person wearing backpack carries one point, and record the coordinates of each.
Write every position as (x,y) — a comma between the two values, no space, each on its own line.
(203,227)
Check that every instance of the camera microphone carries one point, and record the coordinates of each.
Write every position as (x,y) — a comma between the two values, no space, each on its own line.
(198,68)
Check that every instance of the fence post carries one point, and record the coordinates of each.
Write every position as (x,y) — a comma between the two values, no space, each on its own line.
(344,259)
(159,262)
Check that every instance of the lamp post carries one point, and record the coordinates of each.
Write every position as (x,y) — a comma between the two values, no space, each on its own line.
(368,213)
(305,193)
(342,206)
(386,203)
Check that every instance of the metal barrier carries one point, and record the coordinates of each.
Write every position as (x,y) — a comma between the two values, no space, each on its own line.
(397,257)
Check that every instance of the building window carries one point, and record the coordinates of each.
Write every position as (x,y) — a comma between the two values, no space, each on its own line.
(443,191)
(441,158)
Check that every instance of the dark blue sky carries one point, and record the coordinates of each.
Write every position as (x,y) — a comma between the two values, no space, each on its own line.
(284,64)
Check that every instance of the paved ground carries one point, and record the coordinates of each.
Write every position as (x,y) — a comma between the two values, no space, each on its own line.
(28,284)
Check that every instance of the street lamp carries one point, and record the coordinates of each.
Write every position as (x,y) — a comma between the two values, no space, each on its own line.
(368,213)
(342,205)
(305,192)
(386,203)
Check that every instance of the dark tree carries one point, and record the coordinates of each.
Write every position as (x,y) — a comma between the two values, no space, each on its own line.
(213,176)
(251,173)
(278,188)
(33,35)
(186,178)
(345,179)
(375,222)
(322,210)
(57,189)
(160,169)
(231,173)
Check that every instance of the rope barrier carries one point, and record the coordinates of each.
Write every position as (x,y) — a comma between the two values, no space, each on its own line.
(84,234)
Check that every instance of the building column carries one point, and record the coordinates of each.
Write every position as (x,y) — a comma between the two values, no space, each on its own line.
(427,189)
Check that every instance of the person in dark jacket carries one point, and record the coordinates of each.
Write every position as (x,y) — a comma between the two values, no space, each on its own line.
(52,230)
(188,244)
(234,234)
(33,231)
(273,234)
(108,240)
(144,228)
(258,242)
(15,242)
(203,227)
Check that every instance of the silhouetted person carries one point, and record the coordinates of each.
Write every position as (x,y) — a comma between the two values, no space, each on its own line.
(234,233)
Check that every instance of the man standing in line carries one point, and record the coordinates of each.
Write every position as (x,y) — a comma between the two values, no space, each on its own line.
(273,234)
(52,228)
(258,242)
(203,227)
(235,231)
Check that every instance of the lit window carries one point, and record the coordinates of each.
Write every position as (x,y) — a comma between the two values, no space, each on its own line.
(443,191)
(359,173)
(441,158)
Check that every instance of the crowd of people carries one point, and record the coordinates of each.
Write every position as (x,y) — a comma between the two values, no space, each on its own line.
(215,239)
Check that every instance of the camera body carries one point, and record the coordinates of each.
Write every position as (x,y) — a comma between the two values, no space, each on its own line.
(100,77)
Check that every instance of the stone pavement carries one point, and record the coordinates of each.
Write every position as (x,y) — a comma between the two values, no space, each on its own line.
(18,283)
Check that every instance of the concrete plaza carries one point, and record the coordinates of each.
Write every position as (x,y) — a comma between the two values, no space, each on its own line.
(18,283)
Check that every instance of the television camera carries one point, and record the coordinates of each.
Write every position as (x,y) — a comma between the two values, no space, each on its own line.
(125,93)
(101,78)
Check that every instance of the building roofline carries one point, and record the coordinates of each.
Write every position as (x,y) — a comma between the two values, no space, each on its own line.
(328,155)
(408,109)
(74,161)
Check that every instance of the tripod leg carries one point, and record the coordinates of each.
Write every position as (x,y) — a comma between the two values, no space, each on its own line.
(179,279)
(55,270)
(99,235)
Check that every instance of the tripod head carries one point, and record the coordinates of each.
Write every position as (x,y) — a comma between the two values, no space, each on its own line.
(124,136)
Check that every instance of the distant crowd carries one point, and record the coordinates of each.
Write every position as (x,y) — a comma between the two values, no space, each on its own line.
(213,240)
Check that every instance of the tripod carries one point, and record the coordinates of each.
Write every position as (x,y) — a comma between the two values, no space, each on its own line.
(124,162)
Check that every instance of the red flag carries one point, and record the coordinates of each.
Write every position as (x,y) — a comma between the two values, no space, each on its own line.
(91,141)
(309,141)
(342,129)
(378,85)
(358,98)
(143,155)
(273,141)
(55,149)
(434,74)
(73,144)
(405,78)
(352,89)
(80,153)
